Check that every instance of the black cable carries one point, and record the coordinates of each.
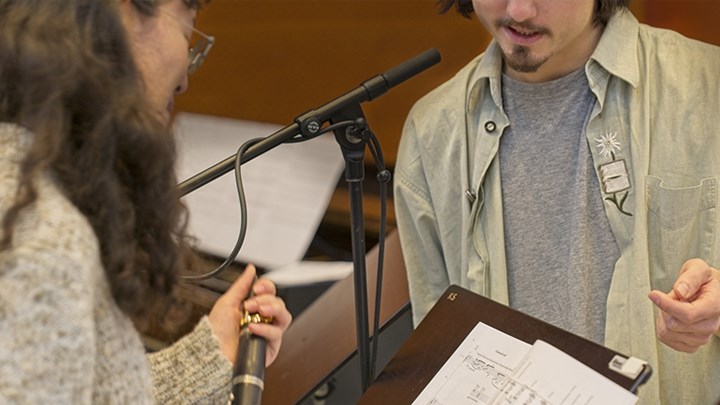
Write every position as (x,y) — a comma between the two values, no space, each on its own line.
(243,216)
(243,202)
(362,130)
(383,177)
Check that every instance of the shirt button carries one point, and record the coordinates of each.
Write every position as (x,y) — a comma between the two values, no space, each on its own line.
(490,126)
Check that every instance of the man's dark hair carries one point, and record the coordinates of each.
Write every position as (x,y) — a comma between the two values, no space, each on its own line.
(604,9)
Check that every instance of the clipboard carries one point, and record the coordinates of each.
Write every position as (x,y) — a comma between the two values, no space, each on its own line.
(448,323)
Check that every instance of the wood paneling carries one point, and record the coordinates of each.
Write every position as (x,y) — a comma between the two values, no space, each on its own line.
(275,59)
(693,18)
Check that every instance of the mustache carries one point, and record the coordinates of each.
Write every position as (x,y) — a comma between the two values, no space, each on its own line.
(525,25)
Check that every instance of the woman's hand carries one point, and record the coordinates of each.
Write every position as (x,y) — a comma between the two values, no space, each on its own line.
(228,310)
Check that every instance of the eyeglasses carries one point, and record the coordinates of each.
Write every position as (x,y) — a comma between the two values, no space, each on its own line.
(199,49)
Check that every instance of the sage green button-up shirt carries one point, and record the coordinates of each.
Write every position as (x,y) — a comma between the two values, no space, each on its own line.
(655,139)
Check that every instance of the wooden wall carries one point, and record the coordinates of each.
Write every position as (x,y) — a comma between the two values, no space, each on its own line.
(694,18)
(275,59)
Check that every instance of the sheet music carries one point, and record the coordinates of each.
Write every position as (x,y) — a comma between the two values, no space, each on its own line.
(476,371)
(550,376)
(287,189)
(491,367)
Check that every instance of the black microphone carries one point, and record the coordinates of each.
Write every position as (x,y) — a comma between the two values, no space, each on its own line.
(380,84)
(249,370)
(367,91)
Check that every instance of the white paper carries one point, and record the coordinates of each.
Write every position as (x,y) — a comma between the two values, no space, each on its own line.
(550,376)
(491,367)
(309,272)
(476,370)
(287,189)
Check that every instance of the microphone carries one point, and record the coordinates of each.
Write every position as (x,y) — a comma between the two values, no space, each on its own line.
(367,91)
(249,369)
(383,82)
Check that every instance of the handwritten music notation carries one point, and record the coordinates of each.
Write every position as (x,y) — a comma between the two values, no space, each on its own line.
(477,370)
(493,368)
(493,378)
(515,392)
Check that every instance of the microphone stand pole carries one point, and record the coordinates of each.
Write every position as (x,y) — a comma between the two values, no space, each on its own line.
(352,144)
(353,150)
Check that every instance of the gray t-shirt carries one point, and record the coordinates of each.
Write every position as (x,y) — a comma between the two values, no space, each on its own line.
(560,249)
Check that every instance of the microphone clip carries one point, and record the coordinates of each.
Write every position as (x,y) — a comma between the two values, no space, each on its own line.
(309,123)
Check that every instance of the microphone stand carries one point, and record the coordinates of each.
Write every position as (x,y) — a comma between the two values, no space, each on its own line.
(311,122)
(352,144)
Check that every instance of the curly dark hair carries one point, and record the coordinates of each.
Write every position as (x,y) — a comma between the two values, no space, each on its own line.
(68,75)
(604,9)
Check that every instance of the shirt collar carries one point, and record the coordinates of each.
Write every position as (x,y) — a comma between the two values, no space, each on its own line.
(616,51)
(488,70)
(615,54)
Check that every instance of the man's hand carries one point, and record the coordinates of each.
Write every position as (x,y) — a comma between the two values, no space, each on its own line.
(690,313)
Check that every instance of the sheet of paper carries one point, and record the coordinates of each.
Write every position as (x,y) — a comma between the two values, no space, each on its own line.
(493,368)
(309,272)
(476,370)
(287,189)
(550,376)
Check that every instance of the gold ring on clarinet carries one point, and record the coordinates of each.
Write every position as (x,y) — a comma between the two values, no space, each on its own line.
(254,318)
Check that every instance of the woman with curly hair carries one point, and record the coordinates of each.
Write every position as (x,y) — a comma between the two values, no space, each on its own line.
(92,238)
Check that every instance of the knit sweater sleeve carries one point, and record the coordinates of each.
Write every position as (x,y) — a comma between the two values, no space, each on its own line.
(46,330)
(192,371)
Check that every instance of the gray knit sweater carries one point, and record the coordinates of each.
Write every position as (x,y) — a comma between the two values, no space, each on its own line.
(63,340)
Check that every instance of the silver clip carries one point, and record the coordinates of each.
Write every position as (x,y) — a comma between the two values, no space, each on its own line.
(470,194)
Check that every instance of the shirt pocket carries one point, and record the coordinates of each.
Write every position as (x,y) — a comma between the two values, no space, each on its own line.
(681,226)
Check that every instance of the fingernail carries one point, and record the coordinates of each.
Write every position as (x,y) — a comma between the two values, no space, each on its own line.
(683,289)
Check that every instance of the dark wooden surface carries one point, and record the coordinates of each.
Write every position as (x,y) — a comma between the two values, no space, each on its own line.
(449,323)
(323,337)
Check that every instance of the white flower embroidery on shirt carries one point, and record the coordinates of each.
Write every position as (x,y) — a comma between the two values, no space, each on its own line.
(608,144)
(613,175)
